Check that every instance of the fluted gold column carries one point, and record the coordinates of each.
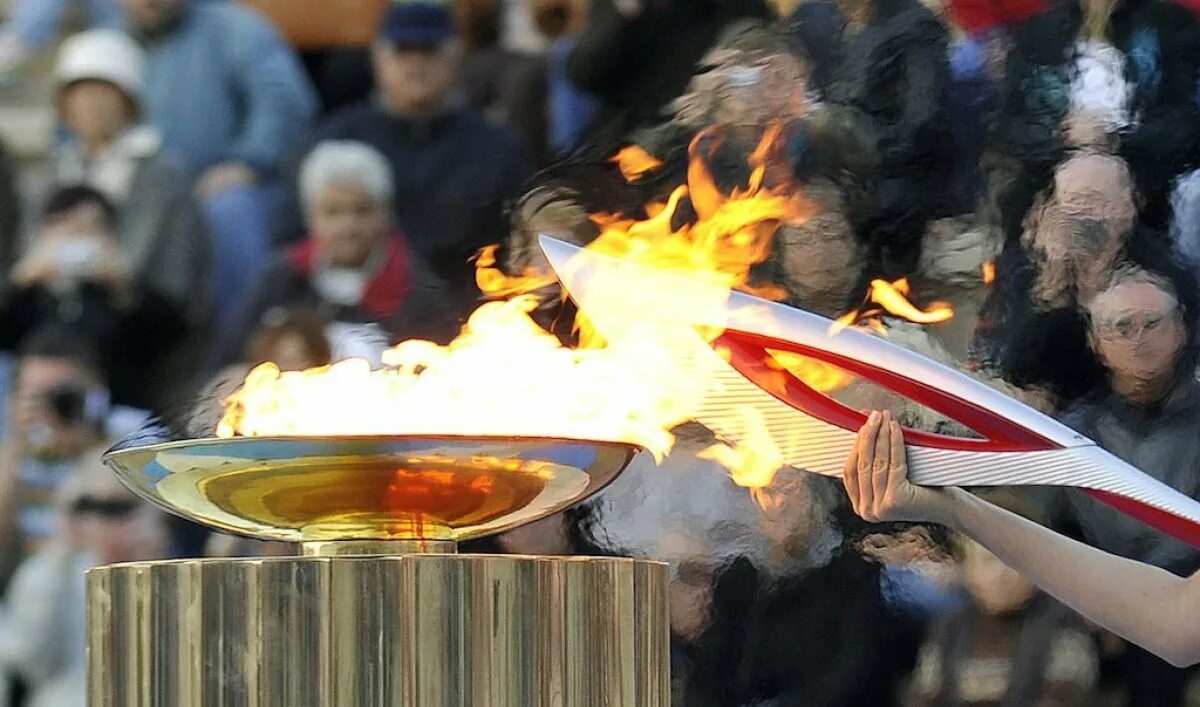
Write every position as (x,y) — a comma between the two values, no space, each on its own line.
(379,631)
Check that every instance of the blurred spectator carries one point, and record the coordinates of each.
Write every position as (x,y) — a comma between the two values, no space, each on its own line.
(570,110)
(453,169)
(810,627)
(355,268)
(10,212)
(1143,328)
(508,86)
(75,275)
(882,71)
(295,341)
(42,620)
(159,226)
(1032,327)
(1008,645)
(334,38)
(34,23)
(231,99)
(1122,74)
(638,55)
(57,410)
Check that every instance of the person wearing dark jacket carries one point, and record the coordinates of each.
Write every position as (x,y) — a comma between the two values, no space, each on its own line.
(881,68)
(804,624)
(637,56)
(75,274)
(355,269)
(1143,328)
(453,170)
(1121,72)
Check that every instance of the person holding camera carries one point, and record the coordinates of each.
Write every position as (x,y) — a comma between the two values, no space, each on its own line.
(57,410)
(75,274)
(42,622)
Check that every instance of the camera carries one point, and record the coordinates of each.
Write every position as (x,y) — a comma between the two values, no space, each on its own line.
(68,402)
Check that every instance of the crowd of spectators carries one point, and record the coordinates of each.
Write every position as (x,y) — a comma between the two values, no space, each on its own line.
(222,190)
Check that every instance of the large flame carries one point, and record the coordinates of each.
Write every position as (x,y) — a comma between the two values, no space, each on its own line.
(505,375)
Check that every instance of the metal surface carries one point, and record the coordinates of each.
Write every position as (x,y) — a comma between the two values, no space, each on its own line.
(368,488)
(409,631)
(813,434)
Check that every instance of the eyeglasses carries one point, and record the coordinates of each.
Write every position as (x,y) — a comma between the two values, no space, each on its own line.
(104,507)
(1132,327)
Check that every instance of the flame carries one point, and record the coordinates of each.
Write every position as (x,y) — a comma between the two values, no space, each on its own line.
(495,283)
(634,161)
(892,298)
(754,461)
(818,375)
(989,272)
(506,375)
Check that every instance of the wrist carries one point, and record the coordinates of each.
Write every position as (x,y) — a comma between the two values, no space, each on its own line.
(950,506)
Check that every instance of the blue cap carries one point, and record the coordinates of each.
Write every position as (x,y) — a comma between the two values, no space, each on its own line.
(417,24)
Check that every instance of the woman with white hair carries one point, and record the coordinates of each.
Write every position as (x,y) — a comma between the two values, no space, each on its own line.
(355,267)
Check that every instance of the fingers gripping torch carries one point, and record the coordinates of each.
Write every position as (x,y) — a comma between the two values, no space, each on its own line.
(1015,444)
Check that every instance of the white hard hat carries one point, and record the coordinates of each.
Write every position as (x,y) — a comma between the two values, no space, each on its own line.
(103,55)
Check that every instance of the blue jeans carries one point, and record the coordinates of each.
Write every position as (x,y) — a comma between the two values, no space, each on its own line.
(240,221)
(36,21)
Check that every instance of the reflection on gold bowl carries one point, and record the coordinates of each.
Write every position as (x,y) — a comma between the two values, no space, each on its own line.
(369,488)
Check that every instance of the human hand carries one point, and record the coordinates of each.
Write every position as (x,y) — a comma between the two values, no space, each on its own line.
(876,477)
(111,267)
(38,265)
(223,177)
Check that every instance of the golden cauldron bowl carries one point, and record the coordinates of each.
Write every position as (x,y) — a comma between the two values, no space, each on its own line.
(380,611)
(379,488)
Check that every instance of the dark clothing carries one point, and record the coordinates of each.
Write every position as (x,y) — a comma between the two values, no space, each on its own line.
(1029,345)
(636,65)
(1159,440)
(1160,41)
(454,175)
(131,336)
(341,76)
(1160,44)
(511,89)
(818,639)
(402,297)
(1038,655)
(10,213)
(889,82)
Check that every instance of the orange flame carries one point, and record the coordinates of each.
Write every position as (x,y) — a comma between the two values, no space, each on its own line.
(495,283)
(754,461)
(634,161)
(892,297)
(989,272)
(505,375)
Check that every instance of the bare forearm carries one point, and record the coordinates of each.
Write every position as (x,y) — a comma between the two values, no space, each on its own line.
(1146,605)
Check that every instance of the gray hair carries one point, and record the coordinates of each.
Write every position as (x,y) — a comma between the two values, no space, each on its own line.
(1129,274)
(344,163)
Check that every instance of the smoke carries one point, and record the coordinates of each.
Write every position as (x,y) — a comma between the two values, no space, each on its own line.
(688,508)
